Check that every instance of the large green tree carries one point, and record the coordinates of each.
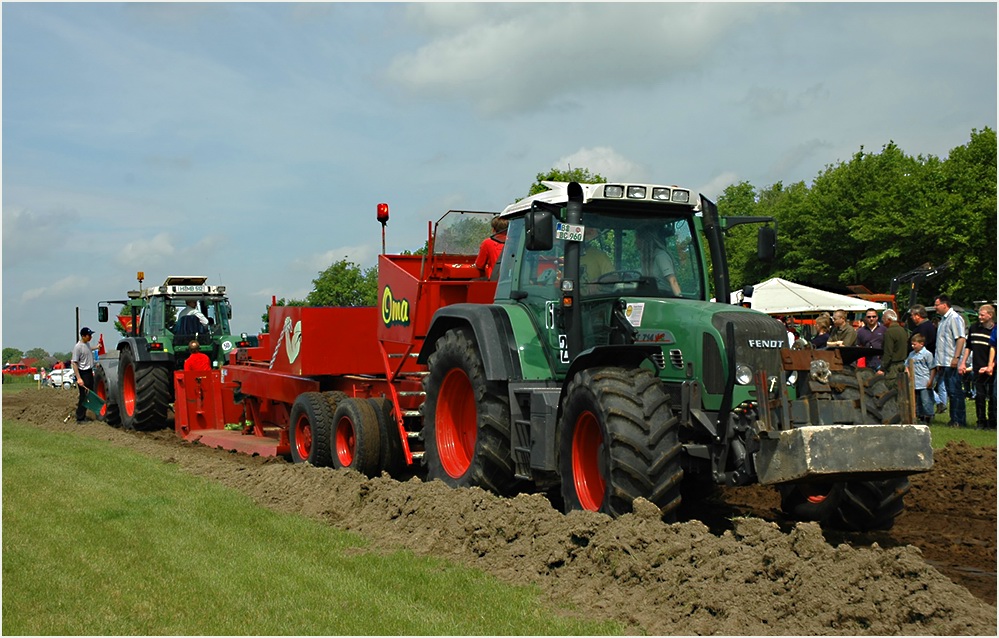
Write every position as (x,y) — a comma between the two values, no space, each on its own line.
(344,283)
(877,215)
(12,355)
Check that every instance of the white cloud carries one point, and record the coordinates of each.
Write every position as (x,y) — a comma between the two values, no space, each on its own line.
(318,262)
(153,251)
(30,236)
(718,184)
(65,285)
(604,161)
(526,56)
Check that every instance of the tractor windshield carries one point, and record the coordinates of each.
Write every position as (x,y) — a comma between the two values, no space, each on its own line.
(640,256)
(162,313)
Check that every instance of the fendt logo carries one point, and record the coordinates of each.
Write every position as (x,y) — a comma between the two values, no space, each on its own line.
(767,343)
(394,312)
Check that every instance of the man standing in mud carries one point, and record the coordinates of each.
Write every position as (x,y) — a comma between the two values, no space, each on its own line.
(83,365)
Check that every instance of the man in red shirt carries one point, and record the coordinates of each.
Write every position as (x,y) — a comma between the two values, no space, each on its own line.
(197,361)
(492,247)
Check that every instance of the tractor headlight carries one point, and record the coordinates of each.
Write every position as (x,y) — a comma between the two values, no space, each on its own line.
(743,374)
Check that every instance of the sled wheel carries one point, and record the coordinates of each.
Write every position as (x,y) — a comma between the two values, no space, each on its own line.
(109,414)
(143,393)
(356,442)
(619,441)
(392,457)
(466,419)
(309,434)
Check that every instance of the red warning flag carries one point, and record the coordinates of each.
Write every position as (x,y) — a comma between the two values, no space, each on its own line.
(100,346)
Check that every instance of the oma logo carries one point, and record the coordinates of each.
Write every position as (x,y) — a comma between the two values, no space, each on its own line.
(394,312)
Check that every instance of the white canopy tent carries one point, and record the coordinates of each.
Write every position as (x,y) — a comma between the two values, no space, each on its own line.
(781,297)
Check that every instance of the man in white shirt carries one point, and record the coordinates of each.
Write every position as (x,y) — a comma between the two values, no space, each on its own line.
(951,336)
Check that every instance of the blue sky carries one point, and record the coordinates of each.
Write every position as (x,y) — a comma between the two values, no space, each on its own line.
(252,142)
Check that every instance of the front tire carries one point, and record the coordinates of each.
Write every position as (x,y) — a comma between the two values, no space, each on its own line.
(310,429)
(857,506)
(619,441)
(466,418)
(143,393)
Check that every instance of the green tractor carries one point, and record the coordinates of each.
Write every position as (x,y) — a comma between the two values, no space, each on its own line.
(159,324)
(611,367)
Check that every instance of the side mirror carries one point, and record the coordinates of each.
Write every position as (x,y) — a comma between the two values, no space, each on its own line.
(766,243)
(102,313)
(538,230)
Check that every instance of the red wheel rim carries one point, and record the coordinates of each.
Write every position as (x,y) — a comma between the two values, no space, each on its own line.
(346,441)
(128,391)
(102,392)
(303,437)
(587,444)
(815,494)
(456,425)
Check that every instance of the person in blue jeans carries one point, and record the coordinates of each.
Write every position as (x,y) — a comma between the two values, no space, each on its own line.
(921,361)
(951,335)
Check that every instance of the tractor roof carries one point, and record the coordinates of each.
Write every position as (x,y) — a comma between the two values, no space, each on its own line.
(181,285)
(557,193)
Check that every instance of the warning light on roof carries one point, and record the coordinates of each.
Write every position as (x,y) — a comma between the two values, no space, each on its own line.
(383,213)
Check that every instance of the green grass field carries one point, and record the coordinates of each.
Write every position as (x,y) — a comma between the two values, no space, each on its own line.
(98,540)
(101,541)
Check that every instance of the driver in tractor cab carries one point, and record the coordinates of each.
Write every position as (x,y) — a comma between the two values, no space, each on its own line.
(593,262)
(190,320)
(655,259)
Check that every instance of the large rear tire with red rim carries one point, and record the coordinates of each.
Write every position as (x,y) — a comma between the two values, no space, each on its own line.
(310,430)
(144,391)
(466,418)
(618,442)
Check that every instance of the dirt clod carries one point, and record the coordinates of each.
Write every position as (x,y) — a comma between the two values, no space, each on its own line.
(734,566)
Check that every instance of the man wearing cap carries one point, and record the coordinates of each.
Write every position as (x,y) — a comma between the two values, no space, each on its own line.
(83,365)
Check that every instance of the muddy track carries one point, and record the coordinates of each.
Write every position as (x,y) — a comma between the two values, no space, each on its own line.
(733,566)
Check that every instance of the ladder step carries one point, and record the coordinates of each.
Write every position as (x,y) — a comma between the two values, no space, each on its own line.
(417,456)
(412,435)
(413,394)
(411,413)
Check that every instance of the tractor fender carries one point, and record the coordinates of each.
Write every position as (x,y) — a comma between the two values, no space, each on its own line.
(493,334)
(618,356)
(138,346)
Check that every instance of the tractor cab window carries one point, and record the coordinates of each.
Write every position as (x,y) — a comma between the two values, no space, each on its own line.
(154,316)
(639,256)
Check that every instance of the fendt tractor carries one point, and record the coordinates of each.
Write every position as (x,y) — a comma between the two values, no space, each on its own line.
(137,385)
(595,367)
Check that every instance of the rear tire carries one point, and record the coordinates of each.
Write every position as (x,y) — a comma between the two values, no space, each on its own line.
(356,442)
(310,430)
(466,419)
(619,441)
(143,393)
(110,413)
